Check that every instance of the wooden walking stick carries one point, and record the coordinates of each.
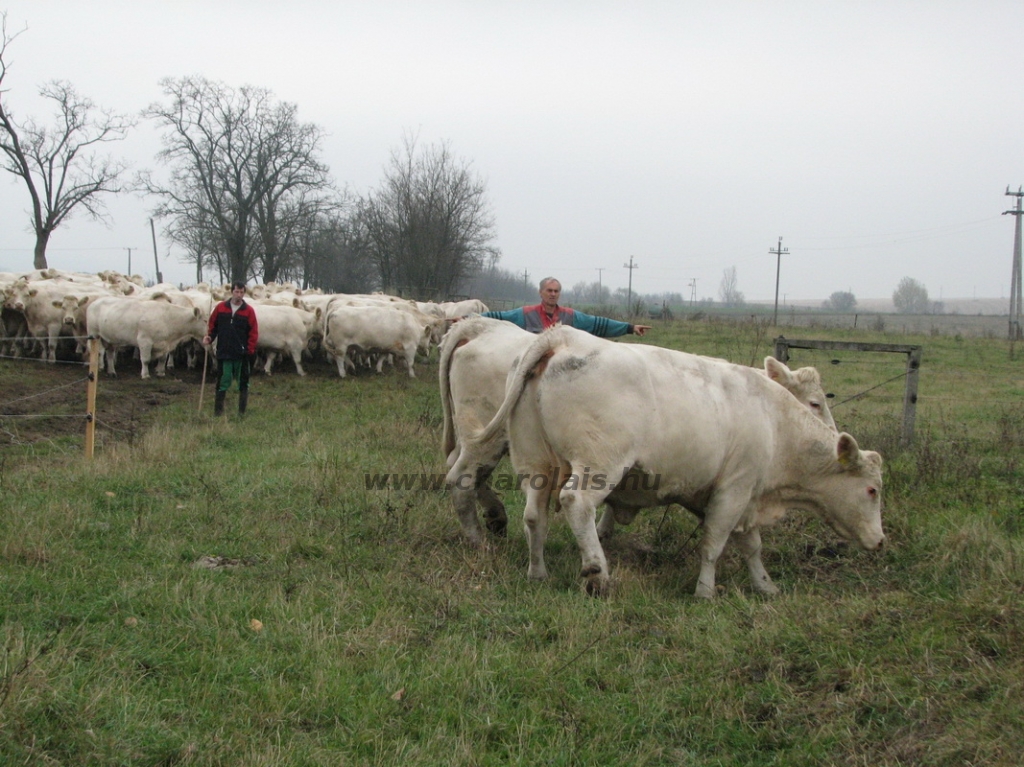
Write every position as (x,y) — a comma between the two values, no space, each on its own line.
(202,386)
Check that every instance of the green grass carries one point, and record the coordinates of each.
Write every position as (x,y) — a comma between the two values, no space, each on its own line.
(385,639)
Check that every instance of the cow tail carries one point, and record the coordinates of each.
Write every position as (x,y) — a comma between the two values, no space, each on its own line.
(461,333)
(530,365)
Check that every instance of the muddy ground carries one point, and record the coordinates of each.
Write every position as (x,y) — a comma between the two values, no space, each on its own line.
(42,402)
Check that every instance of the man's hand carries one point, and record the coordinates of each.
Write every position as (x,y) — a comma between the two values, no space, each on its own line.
(639,330)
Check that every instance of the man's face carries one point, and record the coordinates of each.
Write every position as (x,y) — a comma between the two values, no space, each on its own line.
(237,294)
(549,294)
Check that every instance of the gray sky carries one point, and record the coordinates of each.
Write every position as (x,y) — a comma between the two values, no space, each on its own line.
(877,138)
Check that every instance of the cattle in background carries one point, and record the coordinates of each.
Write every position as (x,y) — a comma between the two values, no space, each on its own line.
(455,309)
(49,308)
(374,328)
(476,357)
(591,420)
(154,327)
(285,329)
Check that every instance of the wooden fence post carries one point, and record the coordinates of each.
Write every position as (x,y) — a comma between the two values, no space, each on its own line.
(90,407)
(910,396)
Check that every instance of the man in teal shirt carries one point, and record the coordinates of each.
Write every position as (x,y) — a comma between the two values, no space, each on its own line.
(547,313)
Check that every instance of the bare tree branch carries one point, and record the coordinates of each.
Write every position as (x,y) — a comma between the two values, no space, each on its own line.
(58,164)
(429,226)
(241,167)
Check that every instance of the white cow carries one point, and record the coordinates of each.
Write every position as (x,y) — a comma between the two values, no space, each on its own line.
(455,309)
(377,328)
(154,327)
(48,306)
(285,329)
(476,357)
(642,426)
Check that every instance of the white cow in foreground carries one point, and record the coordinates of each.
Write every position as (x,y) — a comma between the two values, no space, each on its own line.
(154,327)
(476,357)
(644,426)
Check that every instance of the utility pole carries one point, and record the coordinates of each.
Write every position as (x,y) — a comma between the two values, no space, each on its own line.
(600,287)
(156,261)
(629,295)
(778,268)
(129,261)
(693,291)
(1015,279)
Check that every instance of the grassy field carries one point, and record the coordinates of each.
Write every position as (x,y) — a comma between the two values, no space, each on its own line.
(231,592)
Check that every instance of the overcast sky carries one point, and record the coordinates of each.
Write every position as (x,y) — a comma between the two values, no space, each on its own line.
(876,138)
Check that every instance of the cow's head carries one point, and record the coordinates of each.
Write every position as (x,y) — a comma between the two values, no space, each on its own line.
(853,493)
(68,309)
(804,384)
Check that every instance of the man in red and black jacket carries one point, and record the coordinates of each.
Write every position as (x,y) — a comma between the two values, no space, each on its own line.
(233,324)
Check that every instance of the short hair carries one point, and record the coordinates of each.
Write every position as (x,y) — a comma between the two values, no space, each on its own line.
(237,284)
(546,280)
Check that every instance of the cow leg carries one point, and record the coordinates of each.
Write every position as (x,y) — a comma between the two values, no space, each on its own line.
(269,365)
(468,480)
(110,353)
(495,516)
(297,359)
(750,545)
(535,524)
(720,518)
(51,348)
(580,508)
(340,358)
(145,350)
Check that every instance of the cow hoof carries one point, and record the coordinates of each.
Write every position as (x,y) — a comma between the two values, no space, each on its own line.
(498,527)
(597,582)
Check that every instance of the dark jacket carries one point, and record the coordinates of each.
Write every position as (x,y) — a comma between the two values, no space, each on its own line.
(235,332)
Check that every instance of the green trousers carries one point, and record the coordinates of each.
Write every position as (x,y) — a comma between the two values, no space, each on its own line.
(234,370)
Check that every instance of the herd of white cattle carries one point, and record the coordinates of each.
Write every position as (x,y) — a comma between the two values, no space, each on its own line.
(44,306)
(737,446)
(588,421)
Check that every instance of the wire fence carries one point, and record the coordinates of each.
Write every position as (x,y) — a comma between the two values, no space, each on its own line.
(52,397)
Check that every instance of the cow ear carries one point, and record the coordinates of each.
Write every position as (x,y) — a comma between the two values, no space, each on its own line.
(870,456)
(776,371)
(57,304)
(847,451)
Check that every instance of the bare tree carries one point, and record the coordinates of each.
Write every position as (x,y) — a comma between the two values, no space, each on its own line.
(239,163)
(429,226)
(910,297)
(728,289)
(58,165)
(336,256)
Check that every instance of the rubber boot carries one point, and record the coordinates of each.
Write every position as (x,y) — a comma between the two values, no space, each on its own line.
(243,400)
(218,403)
